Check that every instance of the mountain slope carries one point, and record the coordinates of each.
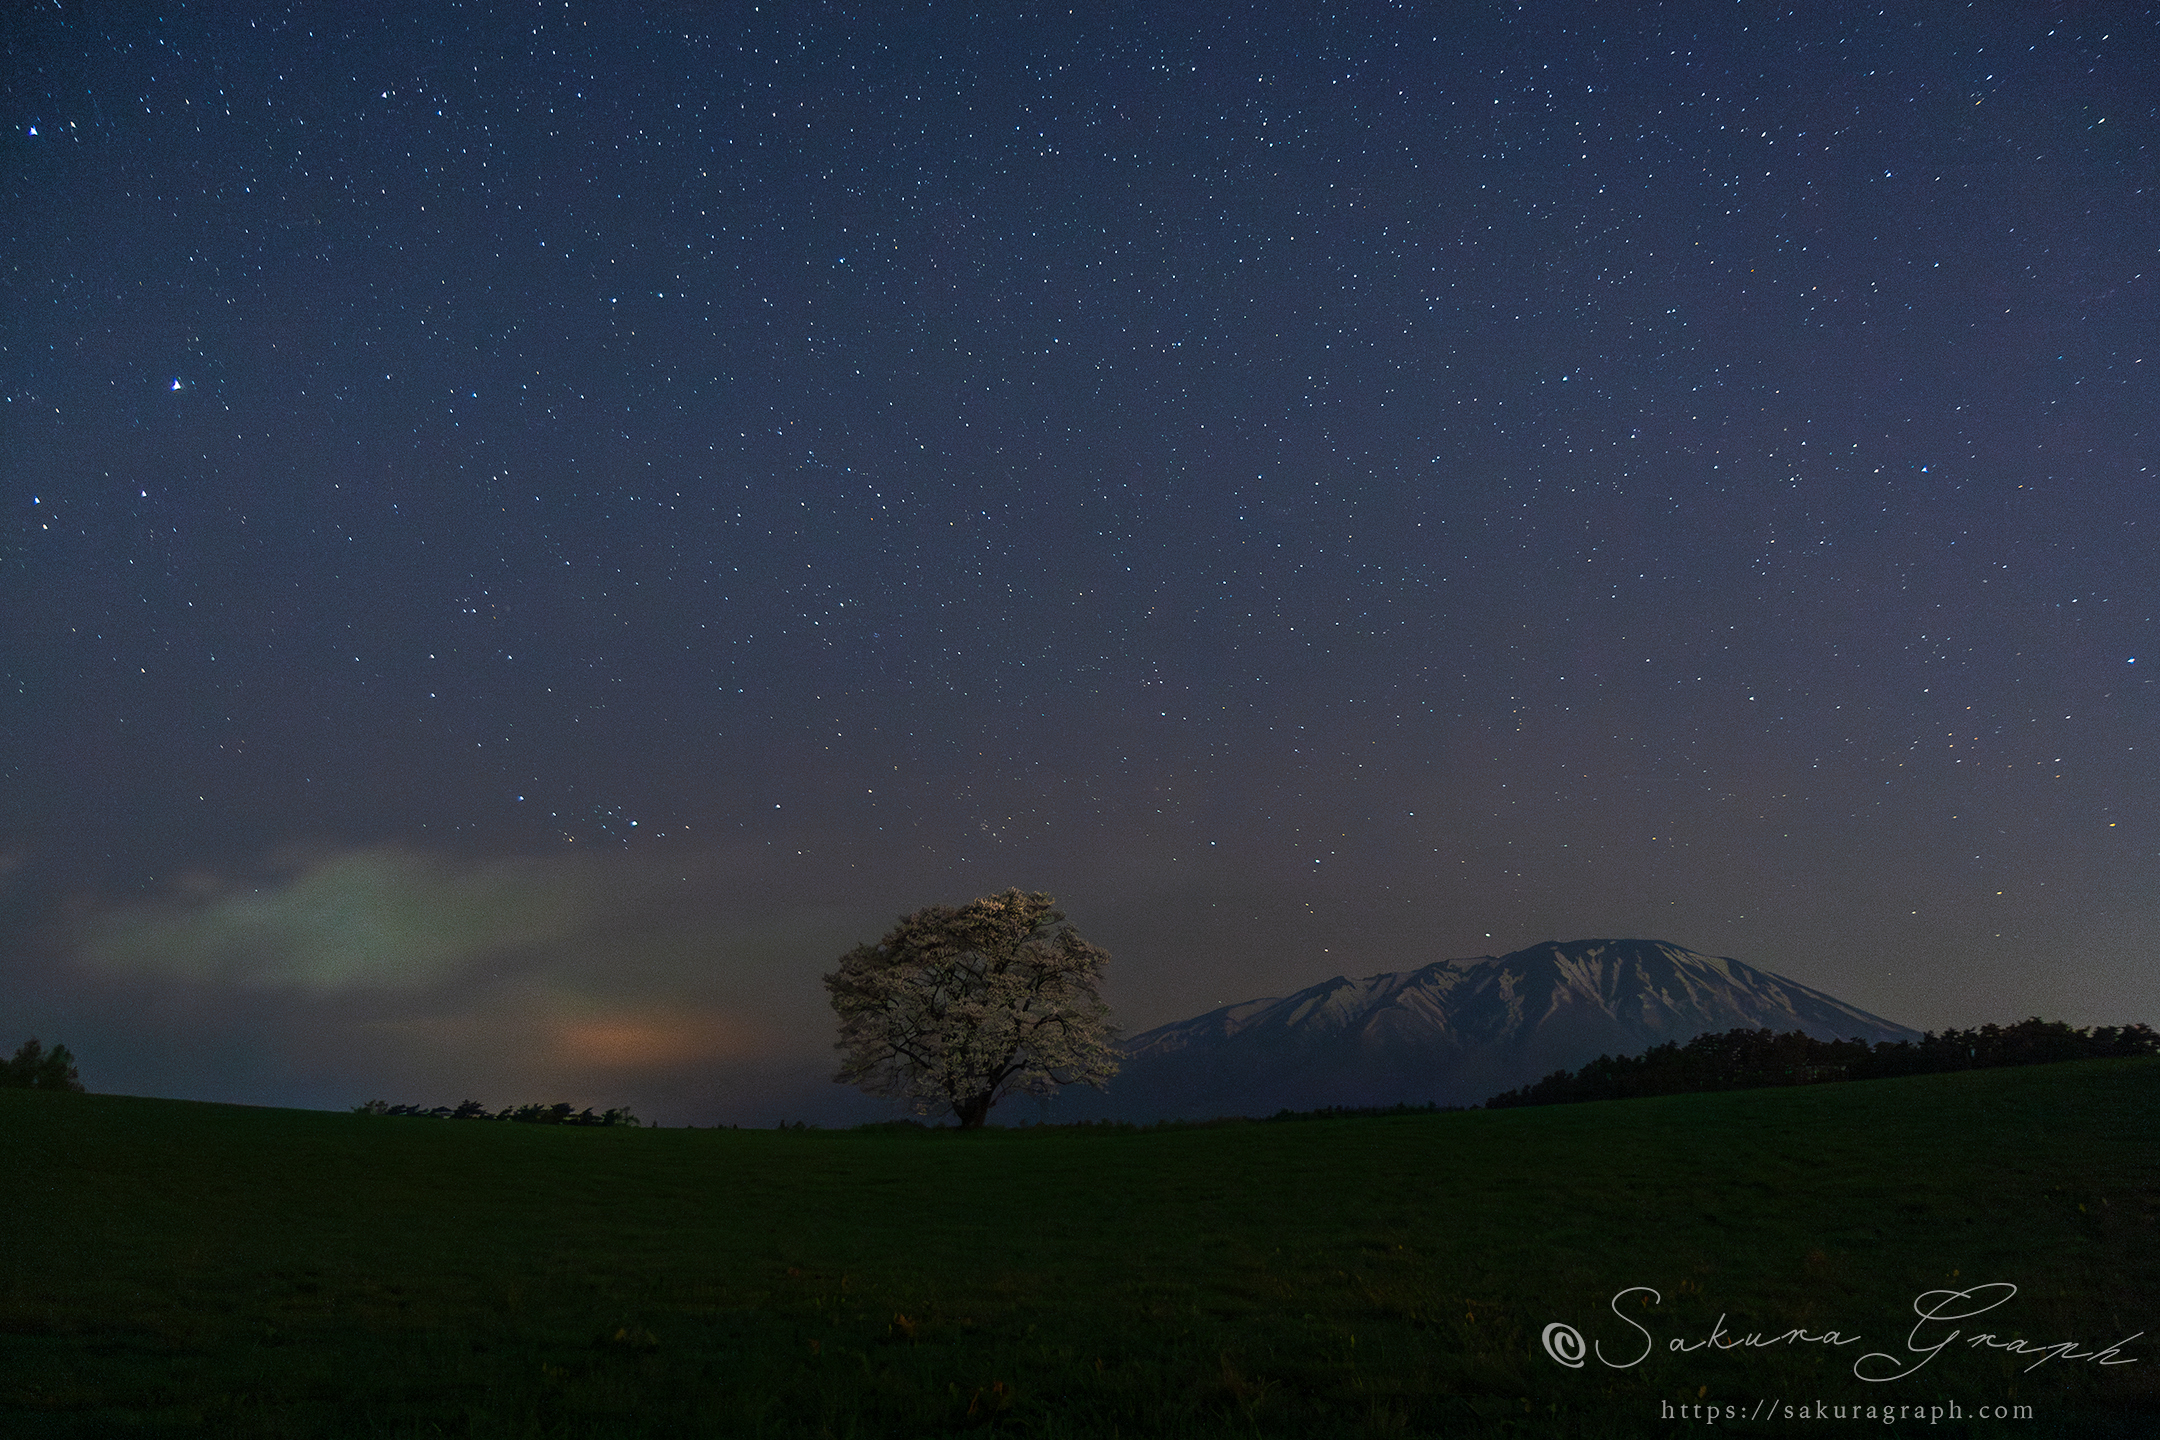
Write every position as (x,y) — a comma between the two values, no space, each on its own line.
(1455,1031)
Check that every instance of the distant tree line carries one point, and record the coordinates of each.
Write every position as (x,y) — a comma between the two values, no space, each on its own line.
(1755,1059)
(33,1067)
(560,1113)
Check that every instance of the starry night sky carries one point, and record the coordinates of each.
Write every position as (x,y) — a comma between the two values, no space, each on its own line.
(531,528)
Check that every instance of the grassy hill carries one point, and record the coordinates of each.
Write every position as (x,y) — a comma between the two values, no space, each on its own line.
(178,1268)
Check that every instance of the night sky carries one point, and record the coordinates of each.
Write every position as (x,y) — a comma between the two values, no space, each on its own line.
(531,529)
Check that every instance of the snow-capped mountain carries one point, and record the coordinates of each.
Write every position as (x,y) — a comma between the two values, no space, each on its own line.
(1456,1031)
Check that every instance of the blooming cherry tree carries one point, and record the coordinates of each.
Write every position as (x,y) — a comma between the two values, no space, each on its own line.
(957,1008)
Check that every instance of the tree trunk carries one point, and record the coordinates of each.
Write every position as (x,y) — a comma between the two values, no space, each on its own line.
(972,1111)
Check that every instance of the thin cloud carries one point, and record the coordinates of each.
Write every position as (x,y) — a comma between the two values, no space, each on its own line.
(382,918)
(667,979)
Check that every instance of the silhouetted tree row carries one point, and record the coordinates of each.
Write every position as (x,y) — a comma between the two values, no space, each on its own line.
(560,1113)
(36,1068)
(1754,1059)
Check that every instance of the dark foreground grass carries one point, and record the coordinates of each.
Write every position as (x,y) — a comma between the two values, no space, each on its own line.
(174,1268)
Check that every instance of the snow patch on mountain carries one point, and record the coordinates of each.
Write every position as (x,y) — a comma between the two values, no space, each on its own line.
(1456,1031)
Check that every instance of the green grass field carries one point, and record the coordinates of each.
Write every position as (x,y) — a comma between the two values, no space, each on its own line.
(178,1268)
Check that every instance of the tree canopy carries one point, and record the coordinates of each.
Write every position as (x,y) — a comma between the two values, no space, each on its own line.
(1746,1059)
(36,1068)
(959,1007)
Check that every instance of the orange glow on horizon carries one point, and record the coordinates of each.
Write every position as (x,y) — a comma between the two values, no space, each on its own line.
(650,1041)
